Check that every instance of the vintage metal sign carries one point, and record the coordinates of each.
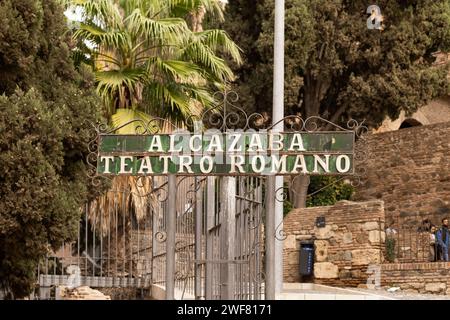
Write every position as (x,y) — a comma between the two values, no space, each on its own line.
(230,153)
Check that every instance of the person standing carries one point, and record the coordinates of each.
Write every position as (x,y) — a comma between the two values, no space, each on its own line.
(433,249)
(443,239)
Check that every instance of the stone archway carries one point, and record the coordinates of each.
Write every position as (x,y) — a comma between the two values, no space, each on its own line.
(409,123)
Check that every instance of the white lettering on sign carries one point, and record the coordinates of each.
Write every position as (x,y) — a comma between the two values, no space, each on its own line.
(325,164)
(196,147)
(124,166)
(237,162)
(234,146)
(235,153)
(107,162)
(276,141)
(209,169)
(156,144)
(297,143)
(347,164)
(279,165)
(300,165)
(146,166)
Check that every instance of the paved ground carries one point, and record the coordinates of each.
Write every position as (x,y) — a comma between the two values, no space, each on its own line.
(309,291)
(403,295)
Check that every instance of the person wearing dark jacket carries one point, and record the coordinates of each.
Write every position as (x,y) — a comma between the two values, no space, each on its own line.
(443,240)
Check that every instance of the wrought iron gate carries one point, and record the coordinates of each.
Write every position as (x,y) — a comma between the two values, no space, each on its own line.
(194,237)
(118,247)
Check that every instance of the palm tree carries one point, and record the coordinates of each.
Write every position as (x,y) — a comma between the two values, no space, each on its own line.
(147,60)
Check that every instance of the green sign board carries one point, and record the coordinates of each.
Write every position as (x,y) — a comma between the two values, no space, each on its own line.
(236,153)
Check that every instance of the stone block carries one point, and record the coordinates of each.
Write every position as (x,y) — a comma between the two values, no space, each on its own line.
(347,255)
(290,242)
(375,237)
(362,286)
(356,273)
(303,237)
(436,287)
(345,274)
(323,233)
(321,250)
(326,270)
(293,258)
(362,238)
(347,238)
(417,285)
(365,256)
(83,293)
(373,225)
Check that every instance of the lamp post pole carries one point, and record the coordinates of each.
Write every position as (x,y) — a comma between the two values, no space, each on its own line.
(277,117)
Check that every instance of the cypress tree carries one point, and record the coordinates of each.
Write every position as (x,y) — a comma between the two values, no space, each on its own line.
(336,67)
(45,107)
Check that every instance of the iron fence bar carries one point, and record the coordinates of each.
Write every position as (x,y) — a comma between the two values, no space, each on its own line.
(86,240)
(247,199)
(101,246)
(198,238)
(124,209)
(210,213)
(94,224)
(171,216)
(78,242)
(228,219)
(270,239)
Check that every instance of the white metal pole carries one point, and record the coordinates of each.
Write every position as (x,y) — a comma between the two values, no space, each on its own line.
(278,115)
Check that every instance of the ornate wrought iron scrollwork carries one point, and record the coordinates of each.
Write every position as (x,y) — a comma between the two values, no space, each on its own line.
(226,115)
(183,247)
(361,154)
(282,194)
(280,234)
(161,236)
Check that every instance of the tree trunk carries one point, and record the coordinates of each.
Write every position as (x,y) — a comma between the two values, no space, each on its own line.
(197,19)
(299,191)
(314,91)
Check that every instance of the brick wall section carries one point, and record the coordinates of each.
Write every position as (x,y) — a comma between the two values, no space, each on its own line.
(352,239)
(409,170)
(432,277)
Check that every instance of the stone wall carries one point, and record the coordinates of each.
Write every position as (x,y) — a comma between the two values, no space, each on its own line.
(352,239)
(437,111)
(409,170)
(431,277)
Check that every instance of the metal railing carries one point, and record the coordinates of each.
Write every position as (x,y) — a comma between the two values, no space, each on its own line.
(411,244)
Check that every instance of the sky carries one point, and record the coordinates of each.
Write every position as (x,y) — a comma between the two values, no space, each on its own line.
(76,16)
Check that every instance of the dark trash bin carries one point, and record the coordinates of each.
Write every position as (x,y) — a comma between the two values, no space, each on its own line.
(306,258)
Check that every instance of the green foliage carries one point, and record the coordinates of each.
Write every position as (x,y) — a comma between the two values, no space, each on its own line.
(335,66)
(390,249)
(146,56)
(327,190)
(287,207)
(45,108)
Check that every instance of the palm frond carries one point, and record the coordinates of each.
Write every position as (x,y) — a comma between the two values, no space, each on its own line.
(183,7)
(129,121)
(217,38)
(162,31)
(181,71)
(215,67)
(177,101)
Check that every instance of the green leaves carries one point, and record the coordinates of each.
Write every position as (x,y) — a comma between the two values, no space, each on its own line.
(147,45)
(45,106)
(128,121)
(327,190)
(337,68)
